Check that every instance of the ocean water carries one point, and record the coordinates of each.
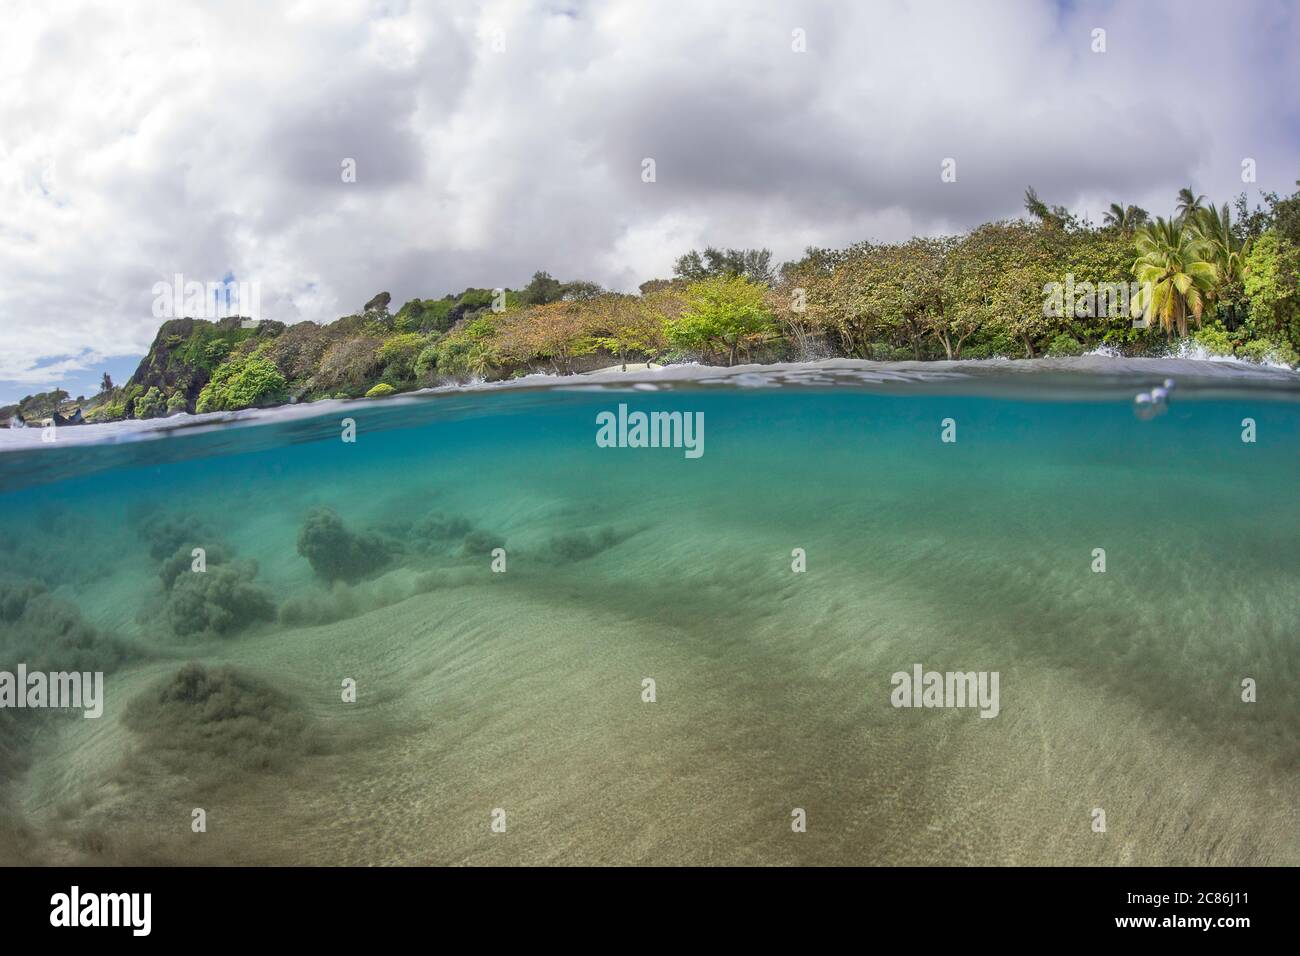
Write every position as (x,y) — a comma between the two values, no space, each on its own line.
(486,697)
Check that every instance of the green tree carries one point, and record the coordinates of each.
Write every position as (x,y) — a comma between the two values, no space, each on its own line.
(924,297)
(1228,253)
(42,404)
(801,302)
(581,291)
(1189,204)
(722,314)
(425,315)
(398,354)
(973,271)
(542,289)
(1101,264)
(1284,215)
(559,333)
(1017,304)
(753,264)
(1272,288)
(1124,218)
(1055,217)
(1175,269)
(851,297)
(626,325)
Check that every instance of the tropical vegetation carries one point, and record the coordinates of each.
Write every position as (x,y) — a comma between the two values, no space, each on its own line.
(1050,283)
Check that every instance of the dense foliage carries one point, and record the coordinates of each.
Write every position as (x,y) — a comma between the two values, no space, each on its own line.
(242,382)
(1049,284)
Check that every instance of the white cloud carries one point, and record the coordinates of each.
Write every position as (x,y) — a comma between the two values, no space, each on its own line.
(209,140)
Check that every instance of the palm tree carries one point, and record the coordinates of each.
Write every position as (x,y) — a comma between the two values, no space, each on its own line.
(1035,206)
(1056,217)
(1228,253)
(106,383)
(1188,203)
(1124,218)
(1175,270)
(1215,227)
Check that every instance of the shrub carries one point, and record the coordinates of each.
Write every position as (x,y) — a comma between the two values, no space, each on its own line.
(1064,344)
(1214,339)
(214,353)
(109,411)
(994,346)
(380,390)
(468,350)
(428,315)
(1262,350)
(177,403)
(439,316)
(426,363)
(242,382)
(298,352)
(474,299)
(350,365)
(209,344)
(398,355)
(150,404)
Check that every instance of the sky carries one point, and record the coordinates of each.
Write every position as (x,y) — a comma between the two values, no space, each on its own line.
(139,141)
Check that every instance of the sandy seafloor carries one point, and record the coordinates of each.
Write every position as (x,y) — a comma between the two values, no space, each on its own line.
(523,690)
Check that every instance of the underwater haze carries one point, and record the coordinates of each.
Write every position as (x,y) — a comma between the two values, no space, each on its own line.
(472,635)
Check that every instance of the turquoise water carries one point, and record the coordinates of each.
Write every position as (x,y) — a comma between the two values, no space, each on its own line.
(522,690)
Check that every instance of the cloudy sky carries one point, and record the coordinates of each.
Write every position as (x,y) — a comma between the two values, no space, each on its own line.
(142,140)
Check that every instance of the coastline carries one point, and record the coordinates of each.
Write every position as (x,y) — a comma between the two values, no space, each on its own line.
(1099,377)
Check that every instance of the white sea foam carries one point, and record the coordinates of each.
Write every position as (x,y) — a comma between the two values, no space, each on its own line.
(1104,351)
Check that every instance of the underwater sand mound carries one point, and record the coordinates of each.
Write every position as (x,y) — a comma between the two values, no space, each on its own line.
(221,713)
(220,601)
(164,532)
(182,562)
(337,553)
(49,634)
(581,545)
(439,533)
